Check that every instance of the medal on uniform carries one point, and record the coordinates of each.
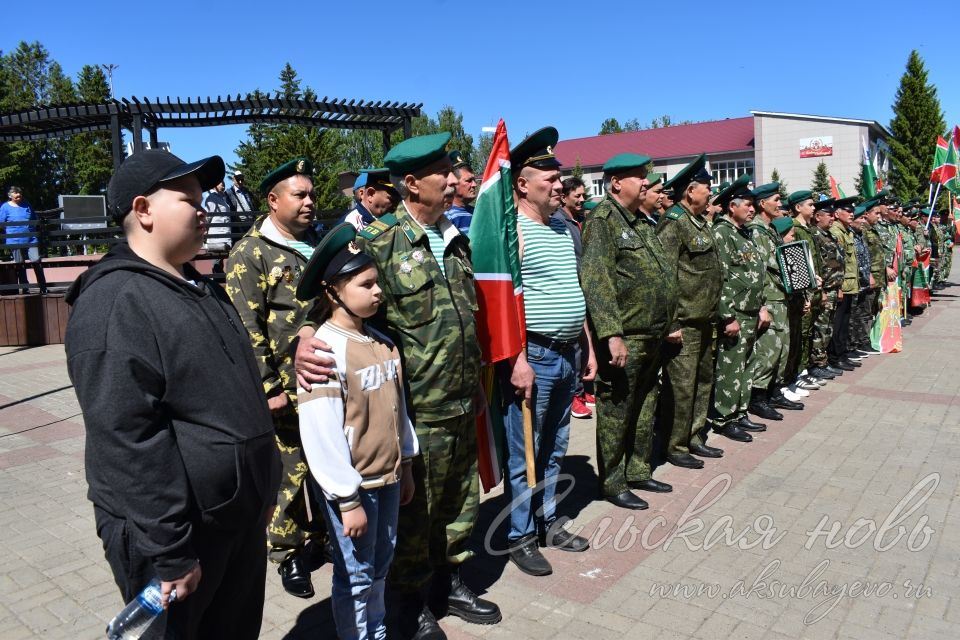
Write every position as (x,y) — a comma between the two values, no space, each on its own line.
(624,235)
(418,256)
(405,267)
(287,274)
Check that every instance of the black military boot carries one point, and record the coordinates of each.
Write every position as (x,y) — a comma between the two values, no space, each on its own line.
(408,616)
(749,425)
(734,432)
(779,401)
(464,603)
(295,577)
(761,408)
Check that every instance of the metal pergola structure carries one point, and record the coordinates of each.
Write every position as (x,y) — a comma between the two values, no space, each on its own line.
(56,121)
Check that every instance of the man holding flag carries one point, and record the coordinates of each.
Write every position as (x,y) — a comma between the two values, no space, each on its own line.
(429,299)
(544,375)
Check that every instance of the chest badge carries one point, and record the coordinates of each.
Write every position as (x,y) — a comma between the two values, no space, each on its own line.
(624,235)
(417,256)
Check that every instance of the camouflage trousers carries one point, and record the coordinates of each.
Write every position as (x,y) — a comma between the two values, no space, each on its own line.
(862,312)
(687,383)
(290,525)
(732,377)
(769,358)
(807,329)
(795,318)
(822,330)
(433,529)
(626,402)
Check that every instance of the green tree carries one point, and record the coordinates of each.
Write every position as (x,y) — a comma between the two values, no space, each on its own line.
(775,177)
(821,181)
(917,121)
(632,125)
(577,169)
(90,156)
(482,152)
(268,146)
(610,125)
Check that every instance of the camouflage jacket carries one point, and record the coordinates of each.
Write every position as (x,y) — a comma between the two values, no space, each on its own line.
(878,259)
(261,280)
(767,240)
(429,317)
(851,277)
(629,286)
(691,252)
(831,259)
(743,278)
(888,234)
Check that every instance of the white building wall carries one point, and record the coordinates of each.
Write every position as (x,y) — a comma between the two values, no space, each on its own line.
(778,147)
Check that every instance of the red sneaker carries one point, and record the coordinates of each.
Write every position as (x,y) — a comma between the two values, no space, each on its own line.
(579,409)
(589,399)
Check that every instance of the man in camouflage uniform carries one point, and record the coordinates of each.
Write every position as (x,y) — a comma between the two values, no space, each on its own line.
(878,266)
(428,309)
(860,316)
(688,368)
(830,270)
(262,274)
(631,294)
(769,357)
(843,234)
(741,300)
(802,209)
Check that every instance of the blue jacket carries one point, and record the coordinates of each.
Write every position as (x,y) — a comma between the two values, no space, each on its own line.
(10,213)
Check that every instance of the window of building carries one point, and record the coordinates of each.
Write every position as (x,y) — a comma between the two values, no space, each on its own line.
(728,171)
(596,188)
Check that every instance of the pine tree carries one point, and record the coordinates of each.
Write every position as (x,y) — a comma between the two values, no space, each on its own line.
(917,121)
(775,177)
(90,154)
(578,169)
(610,125)
(821,181)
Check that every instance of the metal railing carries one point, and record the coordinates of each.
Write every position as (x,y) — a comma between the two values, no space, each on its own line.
(60,245)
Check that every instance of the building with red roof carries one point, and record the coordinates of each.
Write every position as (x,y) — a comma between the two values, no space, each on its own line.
(793,144)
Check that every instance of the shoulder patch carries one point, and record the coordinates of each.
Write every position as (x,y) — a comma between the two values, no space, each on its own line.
(378,226)
(674,215)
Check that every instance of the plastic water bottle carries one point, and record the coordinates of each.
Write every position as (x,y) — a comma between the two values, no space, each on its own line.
(139,614)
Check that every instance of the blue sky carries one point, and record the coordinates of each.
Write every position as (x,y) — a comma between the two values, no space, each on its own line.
(533,63)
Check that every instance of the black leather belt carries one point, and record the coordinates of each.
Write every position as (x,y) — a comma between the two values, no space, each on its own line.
(551,343)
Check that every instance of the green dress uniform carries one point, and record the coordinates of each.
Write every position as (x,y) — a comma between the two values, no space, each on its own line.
(631,291)
(429,314)
(261,279)
(769,358)
(741,298)
(688,367)
(831,258)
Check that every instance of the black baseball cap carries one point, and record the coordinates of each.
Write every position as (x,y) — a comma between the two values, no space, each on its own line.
(145,170)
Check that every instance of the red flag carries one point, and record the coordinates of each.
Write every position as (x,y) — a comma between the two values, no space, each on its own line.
(939,157)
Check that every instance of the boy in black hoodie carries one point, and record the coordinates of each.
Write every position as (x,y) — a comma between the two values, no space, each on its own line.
(180,455)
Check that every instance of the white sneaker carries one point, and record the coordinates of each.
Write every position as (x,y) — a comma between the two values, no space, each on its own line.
(789,395)
(803,393)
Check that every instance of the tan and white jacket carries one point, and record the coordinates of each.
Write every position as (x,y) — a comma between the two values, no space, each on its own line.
(354,428)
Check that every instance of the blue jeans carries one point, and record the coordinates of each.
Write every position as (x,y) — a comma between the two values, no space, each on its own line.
(556,379)
(360,565)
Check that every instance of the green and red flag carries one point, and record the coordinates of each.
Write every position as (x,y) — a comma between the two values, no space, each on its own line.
(501,326)
(948,172)
(939,157)
(835,191)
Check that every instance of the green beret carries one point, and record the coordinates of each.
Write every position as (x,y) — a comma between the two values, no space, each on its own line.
(736,189)
(765,191)
(859,210)
(623,162)
(337,254)
(590,205)
(414,154)
(379,178)
(536,150)
(653,179)
(693,172)
(301,166)
(824,204)
(871,203)
(798,196)
(782,224)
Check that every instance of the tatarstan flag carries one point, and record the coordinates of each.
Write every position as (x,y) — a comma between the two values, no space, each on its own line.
(501,326)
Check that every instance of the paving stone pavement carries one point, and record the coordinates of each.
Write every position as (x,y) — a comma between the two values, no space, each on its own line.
(839,522)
